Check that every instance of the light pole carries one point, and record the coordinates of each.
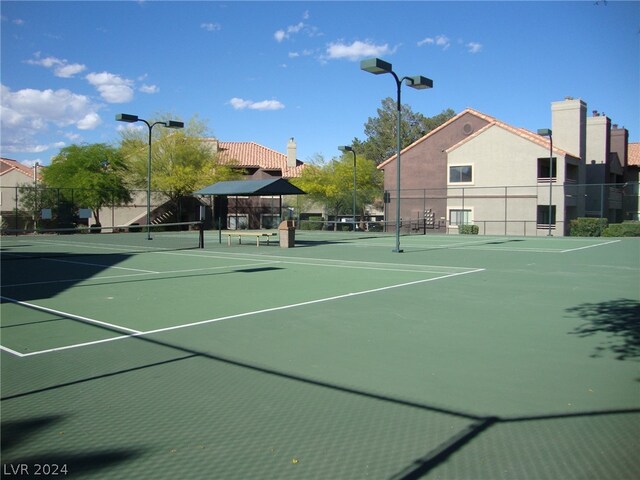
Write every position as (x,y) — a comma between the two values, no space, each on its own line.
(125,117)
(346,148)
(35,203)
(546,132)
(377,67)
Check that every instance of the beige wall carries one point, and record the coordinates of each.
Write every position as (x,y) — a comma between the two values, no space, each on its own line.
(504,186)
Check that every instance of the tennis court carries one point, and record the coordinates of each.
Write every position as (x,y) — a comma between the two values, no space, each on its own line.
(463,357)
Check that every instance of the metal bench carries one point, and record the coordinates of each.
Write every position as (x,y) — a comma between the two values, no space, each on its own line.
(257,235)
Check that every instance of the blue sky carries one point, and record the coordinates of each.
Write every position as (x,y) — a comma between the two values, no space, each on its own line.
(268,71)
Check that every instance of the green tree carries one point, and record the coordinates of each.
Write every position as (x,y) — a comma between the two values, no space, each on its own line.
(94,172)
(181,162)
(331,183)
(382,140)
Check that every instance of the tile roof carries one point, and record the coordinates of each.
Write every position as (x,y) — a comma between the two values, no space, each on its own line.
(253,155)
(543,141)
(633,154)
(7,165)
(521,132)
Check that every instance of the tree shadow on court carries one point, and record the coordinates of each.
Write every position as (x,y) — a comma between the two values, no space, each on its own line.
(58,463)
(618,320)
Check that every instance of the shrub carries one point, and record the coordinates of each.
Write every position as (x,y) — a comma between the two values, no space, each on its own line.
(624,229)
(587,227)
(313,223)
(468,229)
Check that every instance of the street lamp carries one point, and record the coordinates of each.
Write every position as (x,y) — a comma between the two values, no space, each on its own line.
(377,67)
(345,149)
(35,203)
(546,132)
(125,117)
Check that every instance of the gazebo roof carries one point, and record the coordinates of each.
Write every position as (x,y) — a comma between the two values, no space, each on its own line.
(278,186)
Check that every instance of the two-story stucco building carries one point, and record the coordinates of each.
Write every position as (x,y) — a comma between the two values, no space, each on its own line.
(476,169)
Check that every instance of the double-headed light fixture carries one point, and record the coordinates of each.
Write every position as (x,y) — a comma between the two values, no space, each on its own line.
(378,67)
(125,117)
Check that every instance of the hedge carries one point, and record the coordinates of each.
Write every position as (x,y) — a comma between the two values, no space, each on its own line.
(624,229)
(468,229)
(587,227)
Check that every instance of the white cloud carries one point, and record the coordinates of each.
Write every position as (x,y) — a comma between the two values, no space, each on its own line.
(112,88)
(286,33)
(211,27)
(89,122)
(242,104)
(440,41)
(149,88)
(61,67)
(357,50)
(27,113)
(474,47)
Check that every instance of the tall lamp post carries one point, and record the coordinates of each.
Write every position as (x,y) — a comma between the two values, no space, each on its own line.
(377,67)
(344,149)
(546,132)
(35,203)
(125,117)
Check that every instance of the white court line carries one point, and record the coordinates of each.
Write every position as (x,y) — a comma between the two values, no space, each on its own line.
(99,265)
(69,315)
(589,246)
(12,352)
(110,277)
(247,314)
(323,262)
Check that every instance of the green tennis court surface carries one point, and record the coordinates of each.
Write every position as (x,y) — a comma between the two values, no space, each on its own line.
(463,357)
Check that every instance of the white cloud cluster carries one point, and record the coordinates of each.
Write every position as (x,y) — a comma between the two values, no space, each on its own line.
(211,27)
(357,50)
(112,88)
(242,104)
(439,41)
(286,33)
(27,112)
(443,42)
(61,67)
(474,47)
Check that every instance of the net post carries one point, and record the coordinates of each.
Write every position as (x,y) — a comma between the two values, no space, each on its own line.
(201,235)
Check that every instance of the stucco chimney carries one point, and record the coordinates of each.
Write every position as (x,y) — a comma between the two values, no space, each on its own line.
(569,126)
(292,153)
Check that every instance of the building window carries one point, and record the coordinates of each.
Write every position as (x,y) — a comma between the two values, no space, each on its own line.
(238,222)
(269,220)
(459,217)
(546,173)
(543,216)
(461,174)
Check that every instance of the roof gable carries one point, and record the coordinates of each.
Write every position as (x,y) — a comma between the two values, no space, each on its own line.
(254,155)
(436,130)
(520,132)
(7,165)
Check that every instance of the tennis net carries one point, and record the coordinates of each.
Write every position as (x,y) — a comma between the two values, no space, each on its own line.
(26,244)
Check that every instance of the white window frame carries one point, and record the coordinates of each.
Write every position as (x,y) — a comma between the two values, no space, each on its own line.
(459,208)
